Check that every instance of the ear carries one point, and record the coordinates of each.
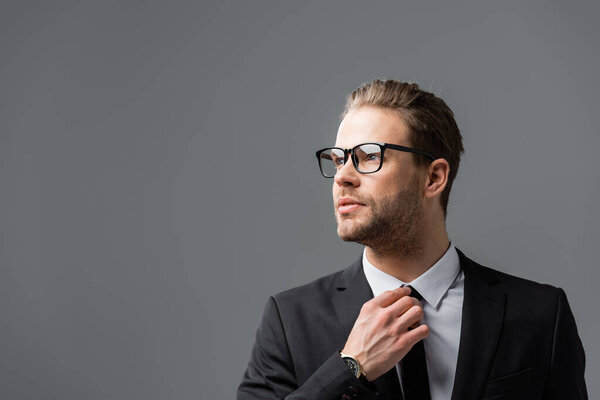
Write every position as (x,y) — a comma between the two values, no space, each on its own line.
(437,178)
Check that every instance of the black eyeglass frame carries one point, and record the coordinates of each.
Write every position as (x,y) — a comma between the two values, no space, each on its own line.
(383,146)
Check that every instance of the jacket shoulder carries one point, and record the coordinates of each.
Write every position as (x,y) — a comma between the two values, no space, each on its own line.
(521,290)
(518,284)
(318,290)
(493,275)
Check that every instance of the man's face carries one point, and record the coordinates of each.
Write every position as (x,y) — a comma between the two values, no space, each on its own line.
(384,209)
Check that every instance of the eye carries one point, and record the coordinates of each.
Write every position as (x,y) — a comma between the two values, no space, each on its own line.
(373,157)
(338,161)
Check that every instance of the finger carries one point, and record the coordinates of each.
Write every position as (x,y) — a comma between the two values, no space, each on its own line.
(413,326)
(419,333)
(402,305)
(413,316)
(390,296)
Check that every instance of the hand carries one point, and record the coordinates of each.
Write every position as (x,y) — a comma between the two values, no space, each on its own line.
(381,337)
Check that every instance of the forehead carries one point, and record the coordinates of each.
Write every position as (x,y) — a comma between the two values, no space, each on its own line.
(372,124)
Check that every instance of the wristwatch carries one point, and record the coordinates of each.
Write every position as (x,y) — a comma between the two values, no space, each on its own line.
(353,364)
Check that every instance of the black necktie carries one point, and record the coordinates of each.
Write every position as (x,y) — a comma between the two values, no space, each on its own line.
(414,368)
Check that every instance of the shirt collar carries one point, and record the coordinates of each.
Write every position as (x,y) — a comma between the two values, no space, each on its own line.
(432,285)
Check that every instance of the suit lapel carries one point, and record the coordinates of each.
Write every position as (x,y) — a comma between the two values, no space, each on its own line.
(482,316)
(352,291)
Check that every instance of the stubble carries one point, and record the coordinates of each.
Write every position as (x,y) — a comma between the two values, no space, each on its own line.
(394,227)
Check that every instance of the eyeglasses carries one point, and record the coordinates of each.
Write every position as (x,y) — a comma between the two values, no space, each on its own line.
(367,157)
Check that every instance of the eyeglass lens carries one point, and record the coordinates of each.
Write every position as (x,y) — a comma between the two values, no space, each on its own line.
(366,158)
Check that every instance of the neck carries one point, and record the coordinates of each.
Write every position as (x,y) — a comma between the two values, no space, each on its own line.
(408,267)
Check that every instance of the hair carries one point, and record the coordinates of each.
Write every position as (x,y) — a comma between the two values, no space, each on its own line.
(431,123)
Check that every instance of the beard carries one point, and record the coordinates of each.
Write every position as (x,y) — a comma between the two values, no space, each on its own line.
(394,226)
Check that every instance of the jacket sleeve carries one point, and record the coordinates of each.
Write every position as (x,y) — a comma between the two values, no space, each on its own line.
(270,374)
(567,366)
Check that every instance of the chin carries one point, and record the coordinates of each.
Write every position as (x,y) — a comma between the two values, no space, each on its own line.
(346,237)
(348,232)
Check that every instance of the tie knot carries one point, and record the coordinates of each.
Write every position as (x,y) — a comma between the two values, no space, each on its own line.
(414,293)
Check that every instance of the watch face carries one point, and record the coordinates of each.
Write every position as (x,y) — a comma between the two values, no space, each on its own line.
(352,364)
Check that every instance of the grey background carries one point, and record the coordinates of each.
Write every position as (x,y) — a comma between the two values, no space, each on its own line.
(158,179)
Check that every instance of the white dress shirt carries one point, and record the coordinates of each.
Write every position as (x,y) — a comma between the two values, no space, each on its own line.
(442,288)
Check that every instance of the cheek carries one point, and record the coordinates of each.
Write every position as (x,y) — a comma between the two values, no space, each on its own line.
(396,178)
(399,169)
(386,187)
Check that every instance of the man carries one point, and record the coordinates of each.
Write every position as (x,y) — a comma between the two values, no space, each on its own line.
(413,317)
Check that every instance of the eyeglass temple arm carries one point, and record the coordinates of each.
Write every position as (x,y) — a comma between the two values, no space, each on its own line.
(410,150)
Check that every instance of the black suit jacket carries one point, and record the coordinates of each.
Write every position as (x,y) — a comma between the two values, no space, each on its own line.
(518,341)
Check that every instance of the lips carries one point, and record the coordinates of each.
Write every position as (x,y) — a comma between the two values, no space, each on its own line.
(347,205)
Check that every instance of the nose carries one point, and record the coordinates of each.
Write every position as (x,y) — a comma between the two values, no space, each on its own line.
(347,175)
